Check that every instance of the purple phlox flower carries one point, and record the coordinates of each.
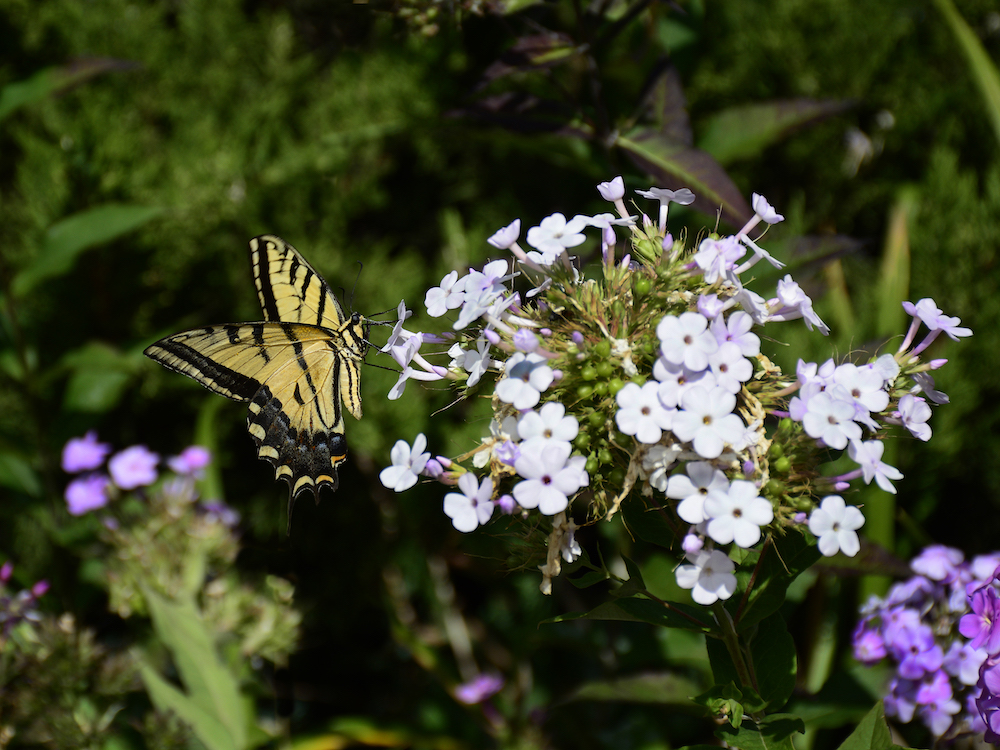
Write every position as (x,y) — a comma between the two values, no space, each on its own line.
(925,384)
(936,320)
(868,455)
(549,423)
(554,235)
(716,258)
(407,463)
(694,487)
(525,377)
(612,191)
(737,515)
(914,413)
(525,340)
(916,651)
(711,307)
(736,329)
(896,620)
(606,221)
(686,340)
(831,420)
(913,592)
(550,477)
(963,662)
(478,689)
(507,504)
(937,706)
(809,372)
(692,544)
(473,506)
(640,412)
(501,443)
(975,722)
(901,700)
(504,238)
(191,461)
(133,467)
(676,380)
(868,645)
(84,453)
(835,524)
(792,303)
(657,462)
(980,625)
(938,562)
(449,295)
(730,367)
(475,362)
(988,705)
(709,576)
(863,384)
(759,254)
(764,210)
(682,197)
(706,420)
(984,567)
(86,494)
(6,571)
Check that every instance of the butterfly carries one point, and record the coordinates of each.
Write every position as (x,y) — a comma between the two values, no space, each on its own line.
(298,369)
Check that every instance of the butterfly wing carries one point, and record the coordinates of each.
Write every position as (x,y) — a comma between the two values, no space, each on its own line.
(292,375)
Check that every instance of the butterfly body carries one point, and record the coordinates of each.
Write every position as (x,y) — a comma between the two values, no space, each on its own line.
(297,370)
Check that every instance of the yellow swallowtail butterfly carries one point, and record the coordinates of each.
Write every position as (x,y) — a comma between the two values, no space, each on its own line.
(297,369)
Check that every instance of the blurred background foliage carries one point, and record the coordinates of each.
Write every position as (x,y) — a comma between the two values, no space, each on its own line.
(143,143)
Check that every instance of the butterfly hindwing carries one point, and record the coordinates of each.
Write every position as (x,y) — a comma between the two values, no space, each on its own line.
(299,369)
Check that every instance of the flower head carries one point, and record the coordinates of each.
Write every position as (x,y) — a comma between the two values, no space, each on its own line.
(133,467)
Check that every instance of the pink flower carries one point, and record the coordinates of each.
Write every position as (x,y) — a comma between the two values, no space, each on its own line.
(191,461)
(86,494)
(84,454)
(133,467)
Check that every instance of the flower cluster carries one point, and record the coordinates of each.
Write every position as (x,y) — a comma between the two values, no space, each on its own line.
(129,469)
(19,607)
(917,626)
(646,379)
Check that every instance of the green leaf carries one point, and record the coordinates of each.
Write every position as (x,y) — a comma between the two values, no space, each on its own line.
(634,584)
(744,131)
(15,95)
(725,701)
(871,734)
(783,561)
(211,688)
(773,652)
(166,697)
(17,473)
(671,163)
(649,524)
(68,238)
(893,285)
(772,733)
(662,687)
(666,614)
(99,375)
(984,72)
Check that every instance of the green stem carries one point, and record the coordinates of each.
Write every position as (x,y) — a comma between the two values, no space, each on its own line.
(732,642)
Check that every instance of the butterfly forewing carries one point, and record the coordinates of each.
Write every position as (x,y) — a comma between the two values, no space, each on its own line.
(297,369)
(289,289)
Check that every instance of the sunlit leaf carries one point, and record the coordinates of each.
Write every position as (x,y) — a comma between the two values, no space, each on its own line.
(15,95)
(871,734)
(68,238)
(674,166)
(661,687)
(744,131)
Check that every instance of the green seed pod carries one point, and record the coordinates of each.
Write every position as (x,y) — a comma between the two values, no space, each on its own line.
(642,285)
(782,466)
(589,373)
(584,391)
(595,419)
(602,349)
(601,388)
(605,368)
(582,441)
(617,476)
(591,465)
(615,385)
(776,451)
(604,456)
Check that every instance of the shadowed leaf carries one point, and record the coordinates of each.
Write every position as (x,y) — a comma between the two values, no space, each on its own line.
(15,95)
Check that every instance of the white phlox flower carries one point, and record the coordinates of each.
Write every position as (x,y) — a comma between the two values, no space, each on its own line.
(692,488)
(657,462)
(864,385)
(764,209)
(641,414)
(407,463)
(868,456)
(716,258)
(502,436)
(554,234)
(613,190)
(835,524)
(504,238)
(736,329)
(914,413)
(675,380)
(792,303)
(830,420)
(472,507)
(737,515)
(706,420)
(709,576)
(936,320)
(550,477)
(449,295)
(475,363)
(730,367)
(549,423)
(686,340)
(525,377)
